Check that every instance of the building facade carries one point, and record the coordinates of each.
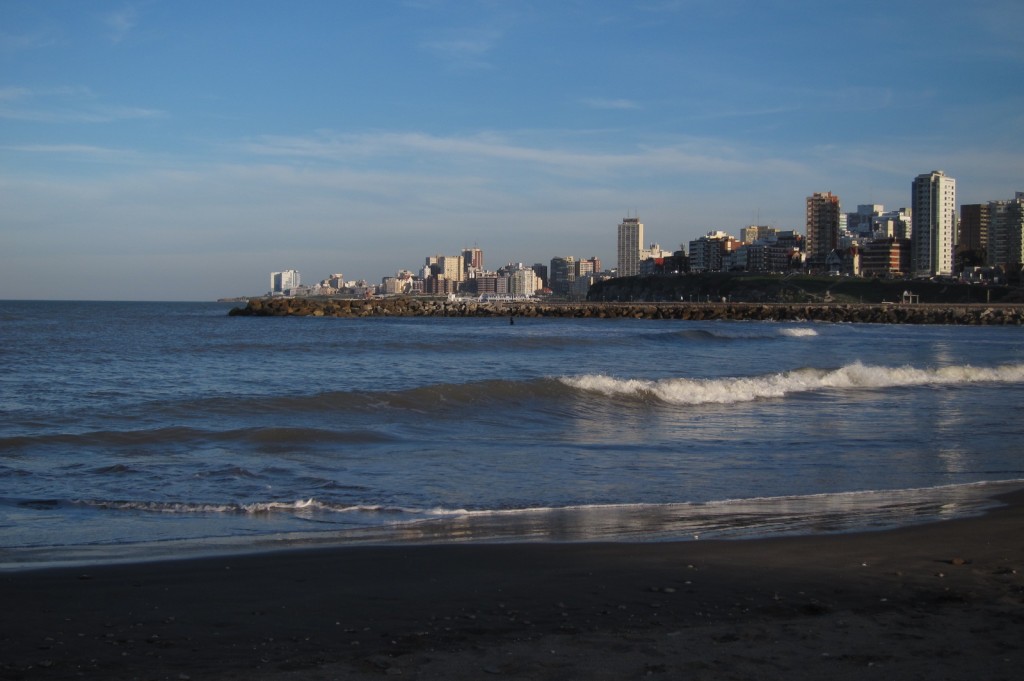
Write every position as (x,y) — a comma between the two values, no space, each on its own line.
(281,282)
(823,227)
(933,238)
(973,230)
(894,224)
(524,282)
(885,257)
(709,253)
(752,233)
(1006,233)
(561,275)
(861,222)
(473,259)
(630,244)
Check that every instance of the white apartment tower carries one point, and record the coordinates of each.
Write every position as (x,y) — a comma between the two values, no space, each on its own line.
(630,244)
(284,281)
(933,219)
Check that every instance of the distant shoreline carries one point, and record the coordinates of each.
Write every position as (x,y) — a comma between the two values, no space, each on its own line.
(869,313)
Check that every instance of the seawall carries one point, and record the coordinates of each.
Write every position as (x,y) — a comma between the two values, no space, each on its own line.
(975,314)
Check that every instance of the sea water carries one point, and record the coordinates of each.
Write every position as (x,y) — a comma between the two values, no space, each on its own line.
(138,430)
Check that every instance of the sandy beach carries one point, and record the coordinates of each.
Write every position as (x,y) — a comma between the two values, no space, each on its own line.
(937,601)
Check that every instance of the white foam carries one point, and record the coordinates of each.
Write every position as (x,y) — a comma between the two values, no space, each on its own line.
(731,390)
(299,506)
(798,332)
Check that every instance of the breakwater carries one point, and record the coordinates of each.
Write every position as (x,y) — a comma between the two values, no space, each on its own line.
(419,307)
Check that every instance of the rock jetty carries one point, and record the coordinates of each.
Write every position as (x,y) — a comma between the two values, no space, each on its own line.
(977,314)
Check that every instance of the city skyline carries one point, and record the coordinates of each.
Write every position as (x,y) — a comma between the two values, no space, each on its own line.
(159,150)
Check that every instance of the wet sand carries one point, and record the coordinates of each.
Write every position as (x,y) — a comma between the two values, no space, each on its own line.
(938,601)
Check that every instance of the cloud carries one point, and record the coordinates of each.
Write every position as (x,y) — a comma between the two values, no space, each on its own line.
(11,94)
(120,23)
(65,105)
(70,150)
(660,157)
(464,48)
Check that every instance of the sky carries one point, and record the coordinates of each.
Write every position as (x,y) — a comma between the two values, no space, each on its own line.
(184,149)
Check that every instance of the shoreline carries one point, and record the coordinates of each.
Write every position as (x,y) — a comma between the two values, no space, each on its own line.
(944,598)
(736,519)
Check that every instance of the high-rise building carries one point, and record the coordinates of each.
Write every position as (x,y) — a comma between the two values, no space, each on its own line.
(823,226)
(583,268)
(524,282)
(280,282)
(973,232)
(448,266)
(473,259)
(933,197)
(630,245)
(562,274)
(453,267)
(1006,233)
(541,270)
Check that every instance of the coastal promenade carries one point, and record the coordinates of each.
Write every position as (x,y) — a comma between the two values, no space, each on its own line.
(973,314)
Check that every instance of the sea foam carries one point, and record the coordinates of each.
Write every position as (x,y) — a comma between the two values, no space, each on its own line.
(855,376)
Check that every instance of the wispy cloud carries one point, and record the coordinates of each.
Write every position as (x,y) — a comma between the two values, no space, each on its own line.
(65,105)
(689,156)
(622,104)
(120,23)
(463,48)
(71,150)
(13,42)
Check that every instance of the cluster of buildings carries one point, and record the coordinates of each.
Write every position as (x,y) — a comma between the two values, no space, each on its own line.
(464,275)
(929,238)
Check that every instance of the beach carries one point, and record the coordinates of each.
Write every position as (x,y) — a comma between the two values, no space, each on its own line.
(939,600)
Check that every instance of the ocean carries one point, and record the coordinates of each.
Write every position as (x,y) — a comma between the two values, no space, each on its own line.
(133,431)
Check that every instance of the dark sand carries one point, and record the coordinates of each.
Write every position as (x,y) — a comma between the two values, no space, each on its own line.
(937,601)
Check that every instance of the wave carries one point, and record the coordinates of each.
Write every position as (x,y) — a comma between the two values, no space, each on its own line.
(730,390)
(370,415)
(741,331)
(300,507)
(831,512)
(797,332)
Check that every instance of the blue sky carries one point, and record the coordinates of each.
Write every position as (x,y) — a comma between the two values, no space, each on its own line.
(178,149)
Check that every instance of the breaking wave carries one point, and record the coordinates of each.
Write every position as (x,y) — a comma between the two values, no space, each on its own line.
(798,332)
(737,332)
(856,376)
(297,507)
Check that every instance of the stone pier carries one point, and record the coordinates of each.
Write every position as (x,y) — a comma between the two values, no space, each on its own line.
(974,314)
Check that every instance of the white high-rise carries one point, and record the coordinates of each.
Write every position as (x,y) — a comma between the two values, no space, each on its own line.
(284,281)
(630,243)
(933,234)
